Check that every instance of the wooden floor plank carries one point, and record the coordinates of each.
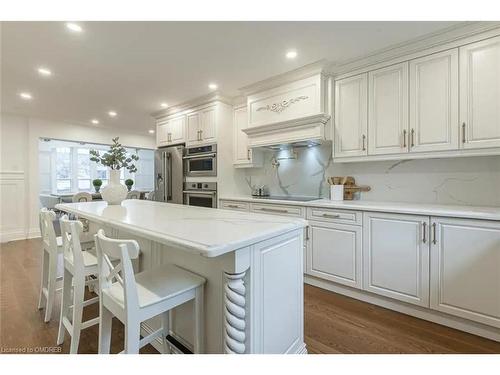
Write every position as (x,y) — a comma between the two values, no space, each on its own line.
(332,323)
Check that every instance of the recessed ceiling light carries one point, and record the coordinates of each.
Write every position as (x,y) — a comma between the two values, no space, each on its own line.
(44,72)
(112,114)
(212,86)
(291,54)
(95,121)
(74,27)
(25,95)
(151,131)
(164,105)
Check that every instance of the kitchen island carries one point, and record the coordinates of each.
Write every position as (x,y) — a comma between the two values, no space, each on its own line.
(252,263)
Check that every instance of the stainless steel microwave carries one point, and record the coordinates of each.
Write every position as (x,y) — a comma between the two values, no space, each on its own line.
(200,161)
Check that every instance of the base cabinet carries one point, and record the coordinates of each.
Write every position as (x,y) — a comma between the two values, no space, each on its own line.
(465,269)
(396,256)
(334,253)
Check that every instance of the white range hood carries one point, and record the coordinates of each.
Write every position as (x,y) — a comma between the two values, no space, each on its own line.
(296,111)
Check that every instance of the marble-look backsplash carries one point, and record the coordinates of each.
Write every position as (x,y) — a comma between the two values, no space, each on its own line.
(461,181)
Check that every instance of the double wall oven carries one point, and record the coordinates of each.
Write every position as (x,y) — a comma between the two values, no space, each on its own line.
(200,161)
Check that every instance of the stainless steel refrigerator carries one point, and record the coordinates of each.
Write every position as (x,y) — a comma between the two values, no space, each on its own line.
(169,176)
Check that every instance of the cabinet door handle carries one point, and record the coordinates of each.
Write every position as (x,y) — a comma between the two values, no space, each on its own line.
(424,232)
(364,142)
(201,135)
(331,216)
(198,135)
(248,154)
(412,142)
(404,138)
(274,210)
(169,137)
(434,239)
(463,133)
(307,233)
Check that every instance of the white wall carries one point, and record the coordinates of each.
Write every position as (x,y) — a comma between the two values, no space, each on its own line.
(19,167)
(459,181)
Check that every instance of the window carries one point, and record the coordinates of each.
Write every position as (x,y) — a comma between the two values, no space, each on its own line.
(69,169)
(63,169)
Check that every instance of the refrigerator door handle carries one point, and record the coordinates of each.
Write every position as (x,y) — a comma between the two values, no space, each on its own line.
(168,166)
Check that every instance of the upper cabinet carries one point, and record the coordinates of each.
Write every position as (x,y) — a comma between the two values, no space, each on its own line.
(201,127)
(171,131)
(243,155)
(351,127)
(480,94)
(434,102)
(388,110)
(291,112)
(442,104)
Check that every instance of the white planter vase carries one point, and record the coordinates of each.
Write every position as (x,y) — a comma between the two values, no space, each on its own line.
(114,192)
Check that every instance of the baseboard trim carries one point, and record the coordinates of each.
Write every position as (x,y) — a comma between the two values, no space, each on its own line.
(468,326)
(12,236)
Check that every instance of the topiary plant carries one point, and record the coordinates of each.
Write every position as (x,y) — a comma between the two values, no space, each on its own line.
(97,183)
(129,182)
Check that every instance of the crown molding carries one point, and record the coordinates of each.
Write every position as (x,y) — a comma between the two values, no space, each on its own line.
(429,41)
(201,100)
(318,67)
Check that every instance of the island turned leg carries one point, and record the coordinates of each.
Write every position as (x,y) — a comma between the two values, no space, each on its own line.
(234,313)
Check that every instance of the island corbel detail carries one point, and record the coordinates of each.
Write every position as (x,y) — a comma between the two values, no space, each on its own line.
(234,313)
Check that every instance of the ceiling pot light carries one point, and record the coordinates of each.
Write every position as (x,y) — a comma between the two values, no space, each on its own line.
(164,105)
(44,72)
(212,86)
(112,114)
(74,27)
(95,121)
(291,54)
(25,95)
(151,131)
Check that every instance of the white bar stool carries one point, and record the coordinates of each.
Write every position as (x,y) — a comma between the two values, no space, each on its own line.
(52,250)
(78,265)
(134,299)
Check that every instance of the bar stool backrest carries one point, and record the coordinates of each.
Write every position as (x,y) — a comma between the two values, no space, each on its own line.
(123,251)
(48,233)
(72,249)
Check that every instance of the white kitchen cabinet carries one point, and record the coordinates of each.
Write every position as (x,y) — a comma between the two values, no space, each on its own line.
(480,94)
(171,131)
(334,253)
(465,264)
(162,133)
(243,155)
(434,102)
(208,128)
(201,127)
(388,110)
(396,256)
(351,126)
(193,128)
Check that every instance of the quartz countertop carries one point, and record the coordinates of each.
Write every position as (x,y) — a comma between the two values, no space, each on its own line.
(205,231)
(471,212)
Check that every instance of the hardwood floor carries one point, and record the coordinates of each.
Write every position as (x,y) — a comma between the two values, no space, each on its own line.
(333,323)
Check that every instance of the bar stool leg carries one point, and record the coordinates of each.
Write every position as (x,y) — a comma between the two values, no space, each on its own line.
(65,302)
(199,317)
(105,324)
(78,295)
(44,281)
(165,318)
(132,336)
(51,287)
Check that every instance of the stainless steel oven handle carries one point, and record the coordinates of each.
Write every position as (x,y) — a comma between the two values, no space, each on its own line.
(194,192)
(200,156)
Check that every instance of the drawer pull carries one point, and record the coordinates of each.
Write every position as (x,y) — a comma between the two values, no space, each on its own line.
(233,206)
(273,210)
(331,216)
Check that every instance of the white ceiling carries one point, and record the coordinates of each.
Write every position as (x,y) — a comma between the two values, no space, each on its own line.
(131,67)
